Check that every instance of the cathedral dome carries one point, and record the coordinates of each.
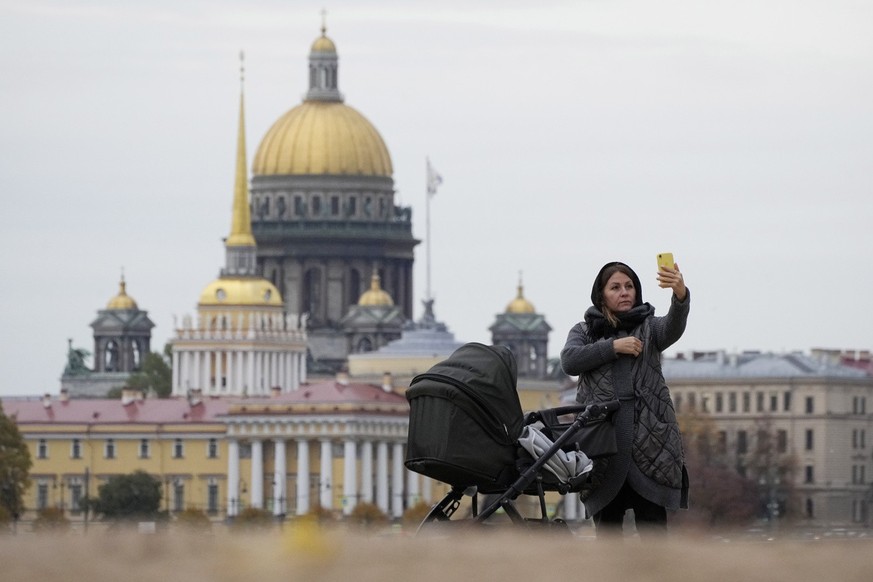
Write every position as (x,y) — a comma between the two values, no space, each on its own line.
(122,300)
(241,291)
(375,296)
(323,137)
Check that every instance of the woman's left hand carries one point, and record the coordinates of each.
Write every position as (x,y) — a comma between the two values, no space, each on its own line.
(672,279)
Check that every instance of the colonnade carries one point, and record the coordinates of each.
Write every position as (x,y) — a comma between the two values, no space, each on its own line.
(390,486)
(236,371)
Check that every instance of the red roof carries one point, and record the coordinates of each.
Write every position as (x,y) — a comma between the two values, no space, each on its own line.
(331,391)
(109,411)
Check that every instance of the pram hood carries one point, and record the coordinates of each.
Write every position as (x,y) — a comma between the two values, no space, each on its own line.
(487,376)
(465,418)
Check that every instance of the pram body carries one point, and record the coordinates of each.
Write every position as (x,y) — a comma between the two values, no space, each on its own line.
(465,421)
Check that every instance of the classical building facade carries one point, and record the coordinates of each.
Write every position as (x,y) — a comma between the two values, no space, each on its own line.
(324,214)
(122,338)
(815,414)
(242,342)
(331,444)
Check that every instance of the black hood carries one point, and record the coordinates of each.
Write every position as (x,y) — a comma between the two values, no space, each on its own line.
(597,289)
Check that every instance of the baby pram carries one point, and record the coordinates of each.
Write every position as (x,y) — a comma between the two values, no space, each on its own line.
(464,430)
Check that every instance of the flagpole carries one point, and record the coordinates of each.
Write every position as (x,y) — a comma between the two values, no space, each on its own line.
(427,197)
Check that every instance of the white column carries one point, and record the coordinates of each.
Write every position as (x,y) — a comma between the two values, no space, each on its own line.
(350,477)
(382,476)
(232,477)
(177,372)
(427,490)
(571,507)
(326,475)
(397,481)
(412,494)
(250,356)
(302,477)
(295,380)
(231,369)
(195,371)
(279,472)
(367,471)
(257,481)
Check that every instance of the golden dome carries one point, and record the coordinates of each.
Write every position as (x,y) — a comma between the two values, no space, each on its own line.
(520,304)
(375,296)
(252,291)
(122,300)
(322,137)
(323,44)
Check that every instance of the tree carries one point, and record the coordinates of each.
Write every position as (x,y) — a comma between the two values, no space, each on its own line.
(136,496)
(155,374)
(772,467)
(721,497)
(15,462)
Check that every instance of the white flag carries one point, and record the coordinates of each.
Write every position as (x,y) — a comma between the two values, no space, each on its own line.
(433,179)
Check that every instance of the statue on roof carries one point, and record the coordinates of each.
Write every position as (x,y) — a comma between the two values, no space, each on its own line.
(76,360)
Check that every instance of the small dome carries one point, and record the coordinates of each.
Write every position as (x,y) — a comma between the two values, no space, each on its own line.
(122,300)
(323,44)
(322,137)
(375,296)
(252,291)
(520,304)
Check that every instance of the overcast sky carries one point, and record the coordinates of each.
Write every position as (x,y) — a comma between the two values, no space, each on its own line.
(738,135)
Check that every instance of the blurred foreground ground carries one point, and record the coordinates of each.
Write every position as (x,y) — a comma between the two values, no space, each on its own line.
(309,553)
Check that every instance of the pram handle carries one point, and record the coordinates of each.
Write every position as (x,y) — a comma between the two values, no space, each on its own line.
(591,411)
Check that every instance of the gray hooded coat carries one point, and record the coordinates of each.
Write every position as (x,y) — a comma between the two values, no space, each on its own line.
(650,456)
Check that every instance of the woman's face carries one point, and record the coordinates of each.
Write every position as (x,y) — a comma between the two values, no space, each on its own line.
(619,294)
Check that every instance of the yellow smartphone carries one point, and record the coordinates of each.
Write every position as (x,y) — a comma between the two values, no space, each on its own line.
(666,260)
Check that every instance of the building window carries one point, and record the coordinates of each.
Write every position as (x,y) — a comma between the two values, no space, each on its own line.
(782,441)
(810,405)
(334,205)
(677,402)
(109,449)
(42,449)
(178,449)
(810,506)
(774,402)
(144,452)
(747,402)
(809,475)
(212,498)
(760,401)
(692,401)
(316,206)
(719,402)
(732,402)
(76,449)
(299,209)
(212,449)
(742,442)
(42,494)
(786,402)
(722,442)
(810,439)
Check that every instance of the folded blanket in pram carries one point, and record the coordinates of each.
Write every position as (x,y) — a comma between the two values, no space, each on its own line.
(564,465)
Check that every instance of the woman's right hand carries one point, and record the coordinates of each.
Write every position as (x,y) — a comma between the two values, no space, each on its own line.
(628,345)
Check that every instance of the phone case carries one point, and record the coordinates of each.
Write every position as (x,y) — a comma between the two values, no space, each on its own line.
(665,260)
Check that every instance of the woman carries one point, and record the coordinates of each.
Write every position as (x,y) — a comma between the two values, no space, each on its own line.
(616,352)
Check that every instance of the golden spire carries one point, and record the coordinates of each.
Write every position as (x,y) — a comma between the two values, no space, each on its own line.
(241,224)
